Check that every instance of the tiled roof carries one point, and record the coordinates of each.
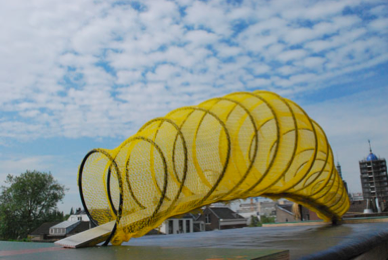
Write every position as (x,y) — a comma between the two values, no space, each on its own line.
(65,224)
(225,213)
(286,207)
(82,226)
(44,228)
(190,215)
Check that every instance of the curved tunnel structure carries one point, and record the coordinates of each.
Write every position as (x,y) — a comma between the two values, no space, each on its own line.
(233,147)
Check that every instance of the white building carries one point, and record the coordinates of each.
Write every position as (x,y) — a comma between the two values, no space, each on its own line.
(177,226)
(181,226)
(356,196)
(78,217)
(65,227)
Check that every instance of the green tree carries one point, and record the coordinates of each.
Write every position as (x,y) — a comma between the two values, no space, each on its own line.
(267,219)
(27,201)
(255,222)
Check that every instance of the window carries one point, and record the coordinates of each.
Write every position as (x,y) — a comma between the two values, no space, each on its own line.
(207,218)
(180,226)
(170,227)
(187,226)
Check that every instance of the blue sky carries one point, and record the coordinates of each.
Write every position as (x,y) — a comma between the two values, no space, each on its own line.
(81,74)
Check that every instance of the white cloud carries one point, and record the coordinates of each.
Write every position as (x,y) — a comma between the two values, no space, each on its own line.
(318,10)
(76,65)
(291,55)
(84,68)
(257,43)
(379,10)
(208,16)
(312,62)
(306,77)
(260,69)
(319,30)
(128,76)
(225,51)
(379,25)
(258,83)
(200,38)
(341,22)
(63,169)
(287,70)
(336,41)
(163,72)
(349,122)
(16,166)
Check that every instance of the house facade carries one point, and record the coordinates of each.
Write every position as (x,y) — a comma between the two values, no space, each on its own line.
(63,228)
(284,213)
(177,226)
(218,218)
(52,231)
(187,224)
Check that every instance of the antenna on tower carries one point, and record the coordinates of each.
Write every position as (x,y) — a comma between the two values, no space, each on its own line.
(337,158)
(370,147)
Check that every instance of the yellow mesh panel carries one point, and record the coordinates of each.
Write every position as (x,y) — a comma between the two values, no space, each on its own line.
(238,146)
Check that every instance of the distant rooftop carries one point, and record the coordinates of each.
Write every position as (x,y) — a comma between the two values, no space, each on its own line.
(226,213)
(65,224)
(286,207)
(44,228)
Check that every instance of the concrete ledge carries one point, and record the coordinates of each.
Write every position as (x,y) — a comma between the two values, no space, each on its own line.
(47,251)
(370,247)
(359,220)
(298,223)
(365,220)
(379,252)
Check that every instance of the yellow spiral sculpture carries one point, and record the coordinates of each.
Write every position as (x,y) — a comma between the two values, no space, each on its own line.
(234,147)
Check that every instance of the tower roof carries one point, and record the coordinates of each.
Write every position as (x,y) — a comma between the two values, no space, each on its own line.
(371,157)
(338,164)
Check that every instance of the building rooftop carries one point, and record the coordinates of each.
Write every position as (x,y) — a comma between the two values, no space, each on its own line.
(371,157)
(82,226)
(65,224)
(286,207)
(44,228)
(225,213)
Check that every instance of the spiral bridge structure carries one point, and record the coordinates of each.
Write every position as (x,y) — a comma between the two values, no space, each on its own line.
(245,144)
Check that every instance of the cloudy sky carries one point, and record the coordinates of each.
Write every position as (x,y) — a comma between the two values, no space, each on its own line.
(82,74)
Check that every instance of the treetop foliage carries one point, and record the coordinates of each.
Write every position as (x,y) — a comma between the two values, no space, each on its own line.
(256,222)
(27,201)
